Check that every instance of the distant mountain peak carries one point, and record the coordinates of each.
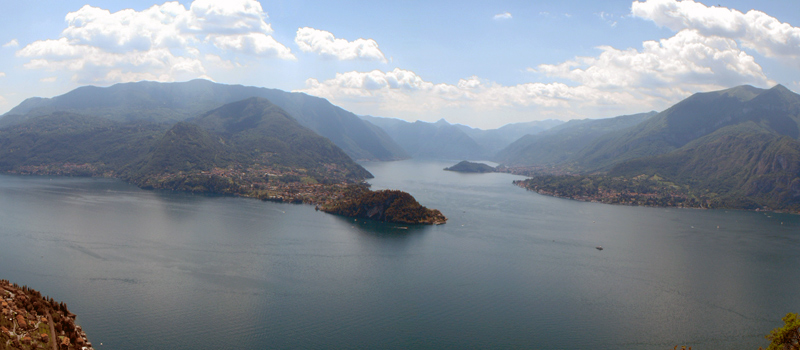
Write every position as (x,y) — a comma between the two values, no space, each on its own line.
(742,92)
(173,102)
(782,89)
(779,87)
(442,122)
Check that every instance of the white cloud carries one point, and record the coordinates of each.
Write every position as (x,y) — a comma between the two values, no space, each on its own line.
(12,43)
(163,42)
(755,29)
(221,63)
(258,44)
(2,74)
(687,60)
(92,64)
(614,82)
(325,44)
(402,93)
(48,79)
(502,16)
(228,17)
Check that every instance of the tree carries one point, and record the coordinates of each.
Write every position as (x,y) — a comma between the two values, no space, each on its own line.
(786,337)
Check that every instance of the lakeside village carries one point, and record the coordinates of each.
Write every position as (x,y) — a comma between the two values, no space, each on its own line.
(328,188)
(268,183)
(32,321)
(641,190)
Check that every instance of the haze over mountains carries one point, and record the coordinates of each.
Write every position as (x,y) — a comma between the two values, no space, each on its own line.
(598,145)
(442,140)
(247,134)
(739,147)
(563,142)
(740,142)
(172,102)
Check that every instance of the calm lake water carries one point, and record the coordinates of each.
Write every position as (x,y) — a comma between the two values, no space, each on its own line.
(510,269)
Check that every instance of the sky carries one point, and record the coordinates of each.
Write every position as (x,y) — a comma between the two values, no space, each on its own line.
(479,63)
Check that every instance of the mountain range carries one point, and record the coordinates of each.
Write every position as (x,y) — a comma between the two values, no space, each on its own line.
(173,102)
(248,134)
(562,143)
(443,140)
(734,148)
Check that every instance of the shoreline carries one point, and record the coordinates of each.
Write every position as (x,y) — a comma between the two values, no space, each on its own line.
(631,204)
(27,320)
(278,185)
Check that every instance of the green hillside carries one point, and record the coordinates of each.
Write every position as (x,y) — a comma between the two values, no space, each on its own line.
(248,139)
(172,102)
(562,143)
(776,109)
(734,163)
(735,148)
(259,131)
(98,145)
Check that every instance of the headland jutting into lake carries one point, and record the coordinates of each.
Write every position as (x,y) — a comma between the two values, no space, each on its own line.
(32,321)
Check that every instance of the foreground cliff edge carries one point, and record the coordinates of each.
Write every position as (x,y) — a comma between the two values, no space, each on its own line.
(32,321)
(385,205)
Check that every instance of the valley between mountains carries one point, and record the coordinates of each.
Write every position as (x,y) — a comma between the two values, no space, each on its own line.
(736,148)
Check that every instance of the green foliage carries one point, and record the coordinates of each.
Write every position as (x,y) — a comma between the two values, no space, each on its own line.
(68,138)
(172,102)
(734,148)
(746,165)
(289,178)
(186,147)
(470,167)
(386,205)
(562,143)
(239,137)
(640,190)
(697,116)
(786,337)
(256,130)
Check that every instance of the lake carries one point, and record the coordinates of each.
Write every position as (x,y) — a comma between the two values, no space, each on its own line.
(510,269)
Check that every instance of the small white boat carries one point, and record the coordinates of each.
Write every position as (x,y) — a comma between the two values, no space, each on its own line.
(599,247)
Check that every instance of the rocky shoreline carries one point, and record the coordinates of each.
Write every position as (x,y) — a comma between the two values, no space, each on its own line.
(385,205)
(274,184)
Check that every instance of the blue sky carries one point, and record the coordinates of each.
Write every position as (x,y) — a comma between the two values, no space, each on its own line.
(479,63)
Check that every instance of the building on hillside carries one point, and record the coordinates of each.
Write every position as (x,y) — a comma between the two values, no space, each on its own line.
(64,343)
(21,322)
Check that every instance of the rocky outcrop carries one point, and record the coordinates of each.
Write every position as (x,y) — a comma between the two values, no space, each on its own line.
(385,205)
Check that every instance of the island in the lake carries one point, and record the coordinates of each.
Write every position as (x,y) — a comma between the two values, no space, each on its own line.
(32,321)
(385,205)
(471,167)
